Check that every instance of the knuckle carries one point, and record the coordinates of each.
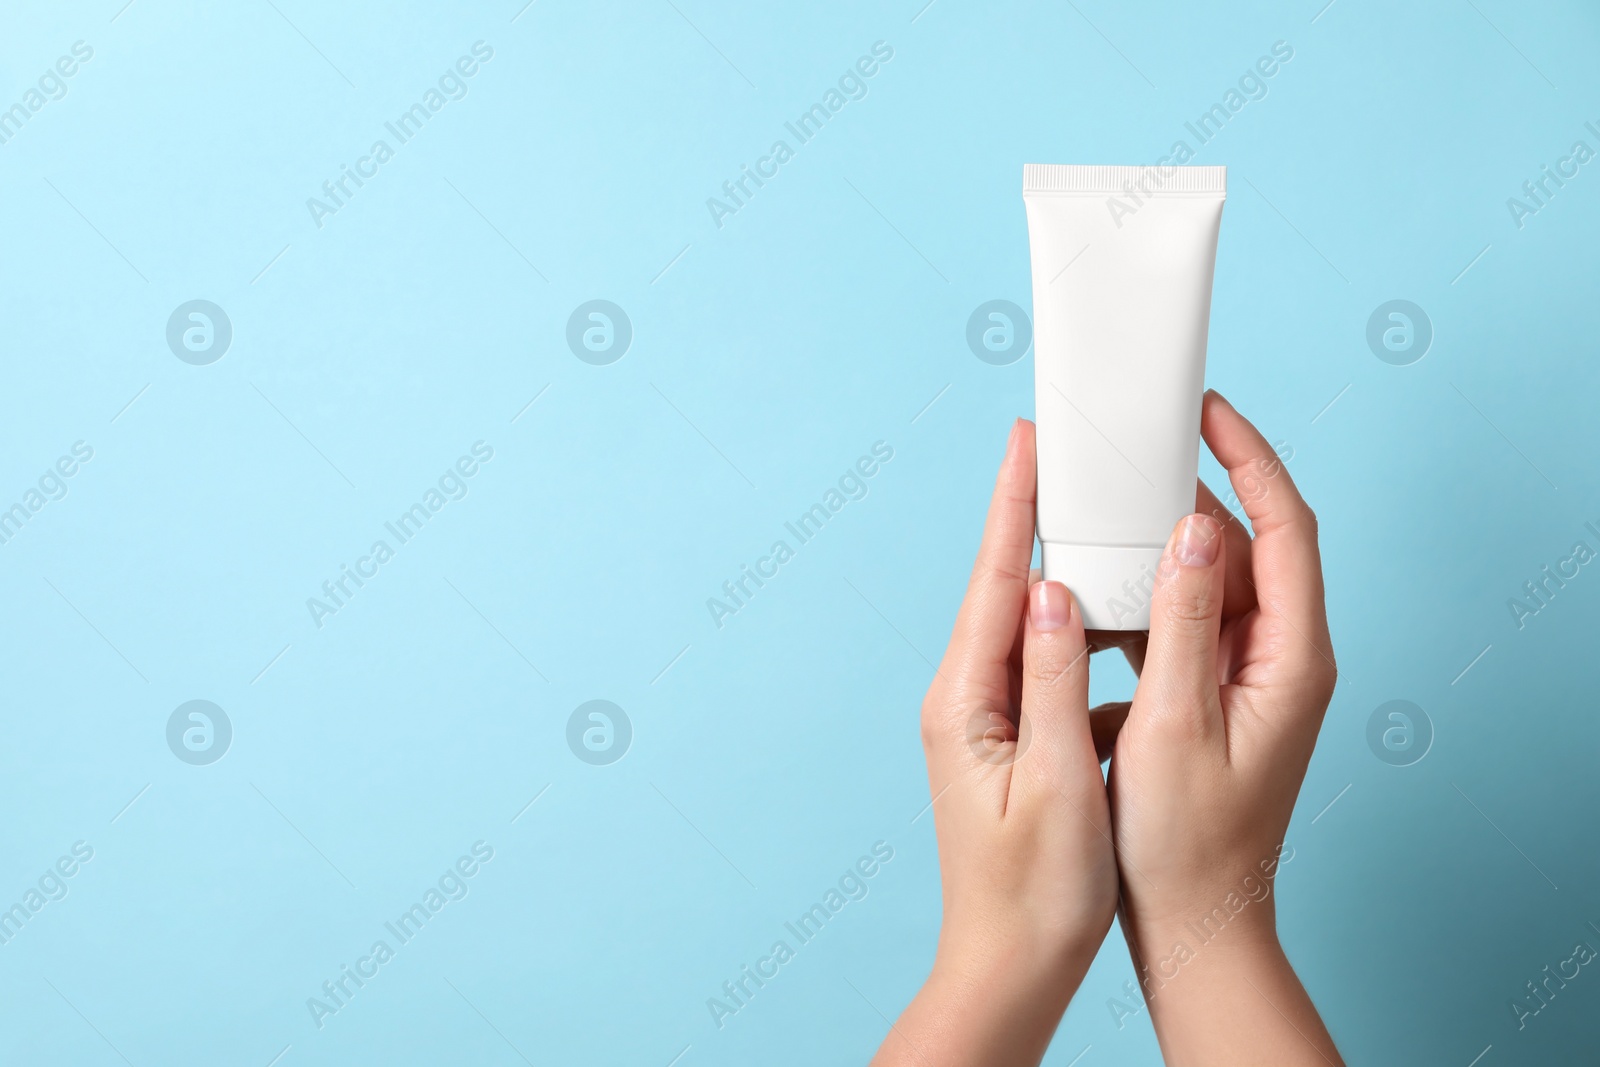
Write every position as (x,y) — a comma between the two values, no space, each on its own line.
(1061,674)
(957,718)
(1327,680)
(1317,675)
(1192,604)
(1308,519)
(1005,570)
(1053,660)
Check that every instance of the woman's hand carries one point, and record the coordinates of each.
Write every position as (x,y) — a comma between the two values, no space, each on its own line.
(1025,856)
(1234,680)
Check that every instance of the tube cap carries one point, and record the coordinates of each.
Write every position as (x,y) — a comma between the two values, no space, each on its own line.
(1112,583)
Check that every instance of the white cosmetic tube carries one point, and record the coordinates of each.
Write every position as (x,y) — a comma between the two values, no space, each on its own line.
(1122,265)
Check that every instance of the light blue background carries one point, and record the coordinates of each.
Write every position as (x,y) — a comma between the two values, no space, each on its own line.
(768,755)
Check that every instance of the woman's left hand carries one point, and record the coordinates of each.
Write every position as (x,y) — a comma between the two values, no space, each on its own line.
(1019,804)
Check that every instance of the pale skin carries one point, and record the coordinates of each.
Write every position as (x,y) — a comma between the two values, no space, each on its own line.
(1038,852)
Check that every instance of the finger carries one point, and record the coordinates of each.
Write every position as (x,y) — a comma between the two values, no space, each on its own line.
(1105,723)
(1053,729)
(1238,594)
(1014,658)
(1179,680)
(1286,565)
(968,715)
(986,627)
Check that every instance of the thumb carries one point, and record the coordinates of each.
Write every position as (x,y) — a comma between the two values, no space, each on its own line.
(1054,719)
(1179,679)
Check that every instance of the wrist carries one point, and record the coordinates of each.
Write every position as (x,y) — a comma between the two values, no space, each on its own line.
(1232,999)
(1227,913)
(1188,941)
(1012,975)
(1170,957)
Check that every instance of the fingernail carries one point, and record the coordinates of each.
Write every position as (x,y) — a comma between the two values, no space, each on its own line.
(1049,606)
(1197,544)
(1011,441)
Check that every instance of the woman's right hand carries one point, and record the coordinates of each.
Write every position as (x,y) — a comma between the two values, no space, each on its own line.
(1234,681)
